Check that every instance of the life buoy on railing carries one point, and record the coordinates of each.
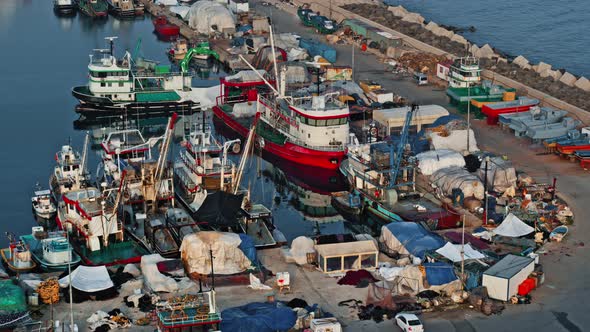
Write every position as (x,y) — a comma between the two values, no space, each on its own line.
(373,131)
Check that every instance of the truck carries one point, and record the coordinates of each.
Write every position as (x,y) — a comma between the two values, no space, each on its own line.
(312,19)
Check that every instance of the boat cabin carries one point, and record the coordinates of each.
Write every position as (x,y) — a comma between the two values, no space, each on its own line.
(54,246)
(464,73)
(91,215)
(256,221)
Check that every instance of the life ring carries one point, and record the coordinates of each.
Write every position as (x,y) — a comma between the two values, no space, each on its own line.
(373,131)
(236,148)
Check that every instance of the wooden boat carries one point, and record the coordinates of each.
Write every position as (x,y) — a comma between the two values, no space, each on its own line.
(558,233)
(51,250)
(178,49)
(17,256)
(165,28)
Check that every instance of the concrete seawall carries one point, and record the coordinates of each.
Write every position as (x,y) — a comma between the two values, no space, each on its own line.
(338,14)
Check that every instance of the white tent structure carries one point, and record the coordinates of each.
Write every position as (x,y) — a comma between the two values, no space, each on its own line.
(453,252)
(205,14)
(512,226)
(196,251)
(89,279)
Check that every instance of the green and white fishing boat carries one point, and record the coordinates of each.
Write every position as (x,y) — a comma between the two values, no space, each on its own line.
(51,250)
(117,86)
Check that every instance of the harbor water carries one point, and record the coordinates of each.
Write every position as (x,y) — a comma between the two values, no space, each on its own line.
(548,31)
(38,117)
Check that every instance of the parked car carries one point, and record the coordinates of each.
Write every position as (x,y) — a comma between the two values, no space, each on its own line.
(408,322)
(421,79)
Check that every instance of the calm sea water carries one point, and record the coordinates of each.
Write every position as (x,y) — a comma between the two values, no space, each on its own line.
(555,32)
(43,56)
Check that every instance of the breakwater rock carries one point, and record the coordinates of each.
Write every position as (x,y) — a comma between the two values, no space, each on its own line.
(558,83)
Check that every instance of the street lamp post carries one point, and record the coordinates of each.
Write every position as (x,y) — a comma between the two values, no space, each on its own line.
(468,115)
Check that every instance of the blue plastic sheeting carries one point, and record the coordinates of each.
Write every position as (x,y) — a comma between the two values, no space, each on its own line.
(314,48)
(439,273)
(258,317)
(248,248)
(416,239)
(245,28)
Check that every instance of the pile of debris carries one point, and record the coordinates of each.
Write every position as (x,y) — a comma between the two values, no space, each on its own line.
(422,62)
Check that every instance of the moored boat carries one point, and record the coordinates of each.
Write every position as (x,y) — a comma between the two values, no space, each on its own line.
(69,172)
(17,256)
(94,8)
(43,205)
(305,130)
(180,224)
(151,231)
(493,110)
(51,250)
(122,8)
(96,233)
(203,166)
(164,28)
(117,86)
(178,49)
(64,6)
(257,222)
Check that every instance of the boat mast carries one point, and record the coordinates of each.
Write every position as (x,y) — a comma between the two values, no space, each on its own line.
(84,154)
(274,58)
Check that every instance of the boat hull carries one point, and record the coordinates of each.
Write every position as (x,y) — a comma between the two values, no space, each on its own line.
(5,253)
(117,253)
(95,107)
(295,153)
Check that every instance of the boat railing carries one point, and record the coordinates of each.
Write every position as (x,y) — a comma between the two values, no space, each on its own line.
(223,99)
(334,147)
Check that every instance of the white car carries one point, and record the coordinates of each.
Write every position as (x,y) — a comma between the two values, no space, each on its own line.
(408,322)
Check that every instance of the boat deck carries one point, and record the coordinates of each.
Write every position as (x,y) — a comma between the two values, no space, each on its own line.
(116,253)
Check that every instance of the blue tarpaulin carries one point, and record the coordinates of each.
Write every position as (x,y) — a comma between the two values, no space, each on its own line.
(439,273)
(258,317)
(248,248)
(315,47)
(412,236)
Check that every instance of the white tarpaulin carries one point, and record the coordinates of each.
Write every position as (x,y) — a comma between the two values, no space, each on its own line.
(228,258)
(453,252)
(431,161)
(512,226)
(300,247)
(501,174)
(155,280)
(244,110)
(89,279)
(166,2)
(456,140)
(450,178)
(246,76)
(181,11)
(204,15)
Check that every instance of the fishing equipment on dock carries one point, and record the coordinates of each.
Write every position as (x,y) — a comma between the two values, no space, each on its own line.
(48,291)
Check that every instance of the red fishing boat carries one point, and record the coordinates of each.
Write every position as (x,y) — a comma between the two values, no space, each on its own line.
(493,110)
(165,28)
(309,131)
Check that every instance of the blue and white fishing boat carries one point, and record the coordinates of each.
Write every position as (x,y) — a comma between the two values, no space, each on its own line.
(51,250)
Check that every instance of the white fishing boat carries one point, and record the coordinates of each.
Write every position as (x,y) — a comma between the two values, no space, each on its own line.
(70,172)
(51,250)
(43,205)
(203,166)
